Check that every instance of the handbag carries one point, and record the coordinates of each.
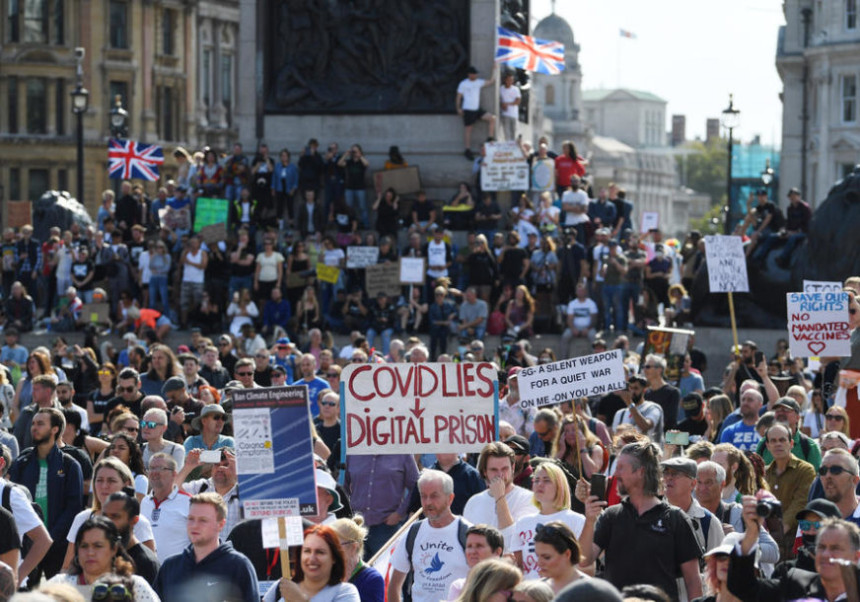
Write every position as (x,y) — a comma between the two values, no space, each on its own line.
(496,323)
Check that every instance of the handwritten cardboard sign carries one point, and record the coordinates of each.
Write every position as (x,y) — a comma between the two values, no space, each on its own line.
(361,257)
(419,408)
(585,376)
(818,324)
(727,265)
(412,270)
(328,273)
(383,278)
(504,167)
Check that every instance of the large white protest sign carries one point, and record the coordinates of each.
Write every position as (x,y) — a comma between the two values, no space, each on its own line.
(818,324)
(418,408)
(412,270)
(727,265)
(650,221)
(584,376)
(504,167)
(821,286)
(543,174)
(361,257)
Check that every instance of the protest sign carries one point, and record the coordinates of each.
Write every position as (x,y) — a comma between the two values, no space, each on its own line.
(361,257)
(418,408)
(208,212)
(274,452)
(175,219)
(727,265)
(214,233)
(504,167)
(405,180)
(650,221)
(412,270)
(821,286)
(584,376)
(543,175)
(818,324)
(671,343)
(95,313)
(382,278)
(328,273)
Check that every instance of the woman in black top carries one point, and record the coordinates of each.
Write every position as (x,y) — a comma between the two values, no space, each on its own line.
(242,264)
(514,261)
(483,268)
(387,208)
(298,276)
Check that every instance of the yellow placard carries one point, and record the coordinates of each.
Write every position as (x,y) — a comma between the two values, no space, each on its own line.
(327,273)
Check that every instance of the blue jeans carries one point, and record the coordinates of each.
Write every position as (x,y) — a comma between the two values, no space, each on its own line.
(386,338)
(612,304)
(480,331)
(333,191)
(237,283)
(231,191)
(794,241)
(629,290)
(358,197)
(158,291)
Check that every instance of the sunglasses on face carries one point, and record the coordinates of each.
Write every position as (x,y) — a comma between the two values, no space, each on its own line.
(131,429)
(328,404)
(835,417)
(105,373)
(126,389)
(115,592)
(244,374)
(808,525)
(149,424)
(332,374)
(219,417)
(834,470)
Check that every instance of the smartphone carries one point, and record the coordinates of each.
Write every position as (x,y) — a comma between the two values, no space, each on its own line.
(210,456)
(677,438)
(598,485)
(759,357)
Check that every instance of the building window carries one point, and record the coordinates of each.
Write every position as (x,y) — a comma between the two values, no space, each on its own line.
(37,117)
(227,85)
(15,184)
(38,183)
(850,14)
(36,21)
(13,19)
(12,83)
(168,18)
(167,100)
(549,96)
(58,23)
(62,179)
(206,77)
(849,98)
(118,24)
(60,111)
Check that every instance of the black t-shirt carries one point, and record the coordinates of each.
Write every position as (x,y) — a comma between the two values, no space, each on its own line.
(264,378)
(422,210)
(330,435)
(762,211)
(82,269)
(608,405)
(694,427)
(145,562)
(382,317)
(243,270)
(512,262)
(646,549)
(354,171)
(668,398)
(134,406)
(9,539)
(386,217)
(483,213)
(83,459)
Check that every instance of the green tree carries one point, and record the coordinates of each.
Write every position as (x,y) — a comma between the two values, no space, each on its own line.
(705,169)
(711,223)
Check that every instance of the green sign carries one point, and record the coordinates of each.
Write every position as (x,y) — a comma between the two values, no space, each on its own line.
(210,212)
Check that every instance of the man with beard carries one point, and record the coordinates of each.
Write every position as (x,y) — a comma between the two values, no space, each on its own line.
(124,511)
(646,416)
(646,540)
(224,481)
(522,469)
(309,378)
(743,434)
(839,477)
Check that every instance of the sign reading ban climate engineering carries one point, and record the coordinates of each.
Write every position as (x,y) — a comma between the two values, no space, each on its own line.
(584,376)
(419,408)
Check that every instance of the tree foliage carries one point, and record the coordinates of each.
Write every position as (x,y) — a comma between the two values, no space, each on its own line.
(705,170)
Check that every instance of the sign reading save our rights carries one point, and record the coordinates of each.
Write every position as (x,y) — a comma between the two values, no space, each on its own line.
(818,324)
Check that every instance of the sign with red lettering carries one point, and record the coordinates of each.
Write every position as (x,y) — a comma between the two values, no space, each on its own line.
(818,324)
(419,408)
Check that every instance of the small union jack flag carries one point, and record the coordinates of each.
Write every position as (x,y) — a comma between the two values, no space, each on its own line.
(128,160)
(624,33)
(525,52)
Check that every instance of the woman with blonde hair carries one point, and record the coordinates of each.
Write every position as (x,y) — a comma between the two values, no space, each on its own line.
(719,407)
(551,495)
(532,591)
(580,451)
(491,580)
(367,580)
(836,419)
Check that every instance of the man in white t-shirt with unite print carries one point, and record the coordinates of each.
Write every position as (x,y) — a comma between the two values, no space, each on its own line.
(469,107)
(437,557)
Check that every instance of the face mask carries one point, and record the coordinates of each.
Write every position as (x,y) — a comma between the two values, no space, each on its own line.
(808,542)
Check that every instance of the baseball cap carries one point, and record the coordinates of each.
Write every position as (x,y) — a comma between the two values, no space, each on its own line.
(685,466)
(519,444)
(692,404)
(283,341)
(787,402)
(822,507)
(793,190)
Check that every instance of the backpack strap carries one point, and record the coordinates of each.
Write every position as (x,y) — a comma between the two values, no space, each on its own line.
(462,531)
(804,445)
(706,525)
(7,497)
(410,539)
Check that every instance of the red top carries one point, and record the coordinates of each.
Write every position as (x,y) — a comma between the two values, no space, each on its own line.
(565,167)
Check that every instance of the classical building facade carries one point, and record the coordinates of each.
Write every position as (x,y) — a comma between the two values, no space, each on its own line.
(818,60)
(171,62)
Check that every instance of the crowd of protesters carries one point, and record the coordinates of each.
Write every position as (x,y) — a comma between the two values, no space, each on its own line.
(744,489)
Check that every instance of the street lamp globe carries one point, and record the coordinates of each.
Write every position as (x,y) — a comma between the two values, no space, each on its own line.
(80,100)
(767,173)
(730,118)
(118,119)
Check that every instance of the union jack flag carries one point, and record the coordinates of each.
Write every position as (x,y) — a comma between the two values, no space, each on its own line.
(531,54)
(128,160)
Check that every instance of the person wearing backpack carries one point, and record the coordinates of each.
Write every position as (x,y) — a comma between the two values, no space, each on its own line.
(54,480)
(432,552)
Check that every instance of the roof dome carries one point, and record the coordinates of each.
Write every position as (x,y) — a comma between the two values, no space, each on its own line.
(556,29)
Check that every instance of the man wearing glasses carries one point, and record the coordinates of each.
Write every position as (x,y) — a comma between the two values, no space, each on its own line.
(225,353)
(166,507)
(153,426)
(245,373)
(128,392)
(839,478)
(210,423)
(224,481)
(646,416)
(787,412)
(661,392)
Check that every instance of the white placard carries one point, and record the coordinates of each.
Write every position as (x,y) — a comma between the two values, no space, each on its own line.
(504,167)
(584,376)
(419,408)
(821,286)
(361,257)
(543,175)
(412,270)
(254,449)
(650,221)
(818,324)
(727,264)
(272,537)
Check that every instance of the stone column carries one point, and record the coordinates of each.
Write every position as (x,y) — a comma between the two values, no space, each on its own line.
(51,106)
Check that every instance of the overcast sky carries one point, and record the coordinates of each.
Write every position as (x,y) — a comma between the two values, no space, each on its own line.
(689,52)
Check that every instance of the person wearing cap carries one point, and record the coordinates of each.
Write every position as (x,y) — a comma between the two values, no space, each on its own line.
(789,479)
(679,483)
(224,481)
(646,539)
(809,522)
(837,550)
(284,354)
(522,468)
(468,105)
(209,424)
(787,412)
(694,422)
(328,497)
(839,478)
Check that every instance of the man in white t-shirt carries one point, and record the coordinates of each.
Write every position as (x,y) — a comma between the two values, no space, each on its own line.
(468,105)
(509,95)
(646,416)
(581,319)
(503,503)
(574,203)
(166,507)
(437,557)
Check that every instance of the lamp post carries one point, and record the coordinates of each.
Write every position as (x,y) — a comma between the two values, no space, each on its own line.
(729,119)
(118,119)
(767,175)
(80,102)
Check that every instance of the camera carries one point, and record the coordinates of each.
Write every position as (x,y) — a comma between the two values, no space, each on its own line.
(769,508)
(80,52)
